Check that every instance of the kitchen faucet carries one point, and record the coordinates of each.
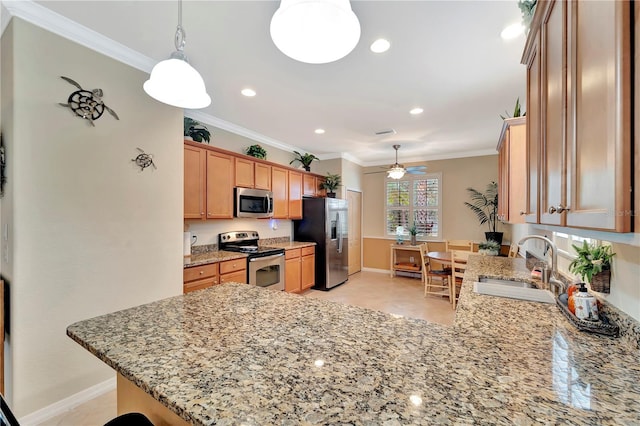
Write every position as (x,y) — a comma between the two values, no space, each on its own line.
(552,280)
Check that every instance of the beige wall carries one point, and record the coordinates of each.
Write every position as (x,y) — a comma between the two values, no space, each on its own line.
(88,232)
(457,174)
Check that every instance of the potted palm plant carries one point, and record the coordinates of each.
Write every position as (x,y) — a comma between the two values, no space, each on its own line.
(593,263)
(485,207)
(331,182)
(305,159)
(196,131)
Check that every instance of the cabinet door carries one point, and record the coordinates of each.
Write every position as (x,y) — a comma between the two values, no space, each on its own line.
(552,159)
(292,275)
(234,277)
(194,182)
(295,195)
(262,176)
(219,185)
(309,185)
(199,284)
(280,189)
(244,172)
(308,271)
(517,177)
(320,191)
(599,163)
(533,131)
(503,178)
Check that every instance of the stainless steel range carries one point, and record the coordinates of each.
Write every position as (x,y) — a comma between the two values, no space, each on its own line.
(265,265)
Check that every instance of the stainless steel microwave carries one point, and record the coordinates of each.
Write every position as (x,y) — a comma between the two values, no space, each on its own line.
(256,203)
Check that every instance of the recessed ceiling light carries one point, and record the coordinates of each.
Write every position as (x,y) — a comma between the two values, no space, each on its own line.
(380,45)
(250,93)
(416,111)
(319,131)
(512,31)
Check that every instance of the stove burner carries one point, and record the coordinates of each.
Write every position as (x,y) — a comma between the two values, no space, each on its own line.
(245,242)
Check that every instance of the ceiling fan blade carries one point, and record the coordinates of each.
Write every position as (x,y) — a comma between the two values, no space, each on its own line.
(415,172)
(416,168)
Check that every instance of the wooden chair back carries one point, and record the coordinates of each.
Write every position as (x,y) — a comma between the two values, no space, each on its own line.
(460,245)
(459,260)
(513,250)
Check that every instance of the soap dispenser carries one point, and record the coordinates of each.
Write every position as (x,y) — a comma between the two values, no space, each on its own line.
(586,305)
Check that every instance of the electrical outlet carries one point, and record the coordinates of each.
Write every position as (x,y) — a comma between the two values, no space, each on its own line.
(411,259)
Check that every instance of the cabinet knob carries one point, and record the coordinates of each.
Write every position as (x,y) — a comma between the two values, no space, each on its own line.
(201,272)
(552,210)
(522,213)
(201,213)
(562,209)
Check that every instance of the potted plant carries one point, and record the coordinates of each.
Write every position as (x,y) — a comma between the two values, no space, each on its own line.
(331,182)
(485,206)
(516,111)
(489,248)
(196,131)
(257,151)
(413,231)
(528,8)
(305,159)
(593,264)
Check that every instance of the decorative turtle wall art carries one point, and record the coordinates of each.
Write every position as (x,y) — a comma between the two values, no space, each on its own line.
(144,160)
(87,104)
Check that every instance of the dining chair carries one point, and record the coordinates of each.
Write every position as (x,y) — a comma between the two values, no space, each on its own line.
(459,260)
(461,245)
(513,250)
(428,275)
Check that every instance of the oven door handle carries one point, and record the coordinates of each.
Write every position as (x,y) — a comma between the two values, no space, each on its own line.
(275,256)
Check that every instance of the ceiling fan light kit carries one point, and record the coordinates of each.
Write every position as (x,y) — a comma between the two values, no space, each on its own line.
(175,82)
(315,31)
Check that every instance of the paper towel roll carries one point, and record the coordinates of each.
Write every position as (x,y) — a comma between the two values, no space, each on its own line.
(186,244)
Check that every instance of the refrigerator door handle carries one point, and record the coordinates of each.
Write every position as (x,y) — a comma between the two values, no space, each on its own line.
(339,231)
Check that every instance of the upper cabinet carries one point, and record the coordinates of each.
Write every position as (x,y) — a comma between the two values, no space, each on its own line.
(219,185)
(512,170)
(195,181)
(578,58)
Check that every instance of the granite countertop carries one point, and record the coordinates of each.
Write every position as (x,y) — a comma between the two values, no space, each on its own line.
(211,257)
(293,245)
(235,354)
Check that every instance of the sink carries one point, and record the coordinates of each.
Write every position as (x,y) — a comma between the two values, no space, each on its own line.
(512,289)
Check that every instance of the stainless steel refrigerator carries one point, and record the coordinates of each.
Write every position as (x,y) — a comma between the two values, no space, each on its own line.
(325,222)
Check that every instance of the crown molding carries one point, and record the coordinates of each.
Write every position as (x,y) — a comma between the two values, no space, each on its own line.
(429,157)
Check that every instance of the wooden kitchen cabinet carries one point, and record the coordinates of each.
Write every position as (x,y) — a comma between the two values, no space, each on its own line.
(280,189)
(262,176)
(244,173)
(220,179)
(199,277)
(578,58)
(300,269)
(512,170)
(309,183)
(307,268)
(233,271)
(295,195)
(195,181)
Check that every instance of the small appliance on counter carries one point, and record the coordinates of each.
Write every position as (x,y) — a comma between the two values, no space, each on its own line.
(325,223)
(265,265)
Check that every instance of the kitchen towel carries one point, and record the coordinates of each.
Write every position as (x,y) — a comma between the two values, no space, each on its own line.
(186,244)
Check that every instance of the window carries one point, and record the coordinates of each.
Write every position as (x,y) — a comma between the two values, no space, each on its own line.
(414,199)
(564,241)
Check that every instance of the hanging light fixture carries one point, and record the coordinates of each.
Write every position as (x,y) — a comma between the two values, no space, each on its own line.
(396,171)
(174,81)
(315,31)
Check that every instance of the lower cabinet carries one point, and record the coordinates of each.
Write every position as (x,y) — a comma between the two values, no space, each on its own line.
(299,269)
(199,277)
(233,271)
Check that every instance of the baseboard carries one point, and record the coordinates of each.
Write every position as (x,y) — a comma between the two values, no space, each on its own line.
(68,403)
(379,271)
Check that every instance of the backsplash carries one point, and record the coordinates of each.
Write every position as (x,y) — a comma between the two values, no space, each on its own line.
(206,248)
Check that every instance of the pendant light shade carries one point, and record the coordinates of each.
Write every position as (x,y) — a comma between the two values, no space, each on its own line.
(396,172)
(175,82)
(315,31)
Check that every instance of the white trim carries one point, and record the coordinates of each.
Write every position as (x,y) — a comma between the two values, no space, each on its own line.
(379,271)
(432,157)
(68,403)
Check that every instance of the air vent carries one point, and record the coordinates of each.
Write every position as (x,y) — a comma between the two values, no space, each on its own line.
(386,132)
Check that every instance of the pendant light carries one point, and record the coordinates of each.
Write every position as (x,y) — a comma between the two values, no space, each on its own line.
(315,31)
(174,81)
(396,171)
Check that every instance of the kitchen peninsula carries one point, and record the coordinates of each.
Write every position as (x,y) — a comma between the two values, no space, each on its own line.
(237,354)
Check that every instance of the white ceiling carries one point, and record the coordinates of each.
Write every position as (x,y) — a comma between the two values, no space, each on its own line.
(446,57)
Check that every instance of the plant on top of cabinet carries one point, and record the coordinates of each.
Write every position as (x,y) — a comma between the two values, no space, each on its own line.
(593,263)
(485,206)
(528,8)
(331,182)
(196,130)
(257,151)
(516,111)
(305,159)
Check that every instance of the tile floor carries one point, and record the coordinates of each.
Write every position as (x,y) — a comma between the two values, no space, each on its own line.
(398,295)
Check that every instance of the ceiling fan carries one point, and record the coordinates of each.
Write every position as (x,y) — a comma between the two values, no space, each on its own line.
(397,171)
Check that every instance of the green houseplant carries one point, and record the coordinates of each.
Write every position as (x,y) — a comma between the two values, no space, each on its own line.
(257,151)
(413,231)
(305,159)
(331,182)
(517,112)
(196,130)
(593,263)
(485,206)
(489,247)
